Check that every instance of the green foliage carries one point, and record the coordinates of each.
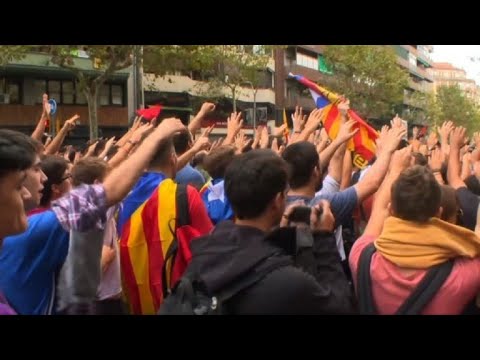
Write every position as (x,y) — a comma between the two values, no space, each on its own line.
(368,75)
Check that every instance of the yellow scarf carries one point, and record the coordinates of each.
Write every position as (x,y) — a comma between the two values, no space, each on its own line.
(421,246)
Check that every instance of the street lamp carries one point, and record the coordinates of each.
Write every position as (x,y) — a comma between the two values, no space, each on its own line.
(254,104)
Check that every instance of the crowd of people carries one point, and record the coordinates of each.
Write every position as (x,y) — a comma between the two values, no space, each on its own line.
(166,220)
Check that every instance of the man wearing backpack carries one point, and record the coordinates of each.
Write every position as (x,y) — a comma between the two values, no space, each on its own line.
(410,241)
(158,229)
(245,267)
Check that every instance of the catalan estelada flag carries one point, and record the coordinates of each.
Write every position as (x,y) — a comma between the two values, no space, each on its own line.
(146,241)
(363,143)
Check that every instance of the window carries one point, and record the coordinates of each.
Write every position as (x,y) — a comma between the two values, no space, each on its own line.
(54,90)
(80,98)
(12,90)
(117,94)
(40,88)
(307,61)
(105,95)
(68,92)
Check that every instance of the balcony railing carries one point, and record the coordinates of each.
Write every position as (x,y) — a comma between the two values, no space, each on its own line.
(414,68)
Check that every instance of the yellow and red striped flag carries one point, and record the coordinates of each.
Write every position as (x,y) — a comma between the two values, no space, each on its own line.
(363,143)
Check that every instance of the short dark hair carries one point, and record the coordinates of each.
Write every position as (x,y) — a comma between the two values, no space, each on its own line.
(252,180)
(302,158)
(87,170)
(416,194)
(17,152)
(54,167)
(473,184)
(182,141)
(199,158)
(217,161)
(449,202)
(420,159)
(162,156)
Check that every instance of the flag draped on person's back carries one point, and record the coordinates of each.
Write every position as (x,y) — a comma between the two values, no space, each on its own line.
(363,142)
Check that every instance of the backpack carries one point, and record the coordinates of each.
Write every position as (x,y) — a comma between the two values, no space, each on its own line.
(191,297)
(418,299)
(154,257)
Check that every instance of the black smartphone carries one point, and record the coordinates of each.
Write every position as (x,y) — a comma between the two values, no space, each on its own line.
(300,214)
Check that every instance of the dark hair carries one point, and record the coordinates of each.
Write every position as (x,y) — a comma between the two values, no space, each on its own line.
(99,147)
(112,152)
(87,170)
(54,167)
(420,159)
(17,151)
(162,156)
(199,158)
(302,158)
(252,181)
(182,141)
(473,184)
(448,202)
(217,161)
(416,194)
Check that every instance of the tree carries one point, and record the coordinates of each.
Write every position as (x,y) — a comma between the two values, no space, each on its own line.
(236,65)
(107,60)
(220,66)
(368,75)
(454,105)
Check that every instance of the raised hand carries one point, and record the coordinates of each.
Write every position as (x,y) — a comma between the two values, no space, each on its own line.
(346,132)
(207,107)
(343,107)
(445,130)
(234,124)
(298,119)
(401,159)
(168,127)
(457,137)
(314,119)
(264,138)
(72,122)
(279,131)
(436,159)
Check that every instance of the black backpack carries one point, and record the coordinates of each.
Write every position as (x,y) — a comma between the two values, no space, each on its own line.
(190,296)
(418,299)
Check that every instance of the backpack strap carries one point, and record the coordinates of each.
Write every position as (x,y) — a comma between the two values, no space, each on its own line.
(418,299)
(252,277)
(366,304)
(426,290)
(183,218)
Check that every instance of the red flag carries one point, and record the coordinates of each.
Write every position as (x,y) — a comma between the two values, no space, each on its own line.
(150,113)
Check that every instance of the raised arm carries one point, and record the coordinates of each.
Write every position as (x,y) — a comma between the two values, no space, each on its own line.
(457,139)
(119,182)
(196,123)
(58,140)
(400,161)
(375,175)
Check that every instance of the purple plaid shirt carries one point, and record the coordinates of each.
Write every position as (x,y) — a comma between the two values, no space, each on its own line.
(83,208)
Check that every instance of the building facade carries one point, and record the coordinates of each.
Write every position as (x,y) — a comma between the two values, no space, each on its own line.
(446,74)
(22,84)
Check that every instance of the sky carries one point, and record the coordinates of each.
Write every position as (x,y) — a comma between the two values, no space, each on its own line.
(466,57)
